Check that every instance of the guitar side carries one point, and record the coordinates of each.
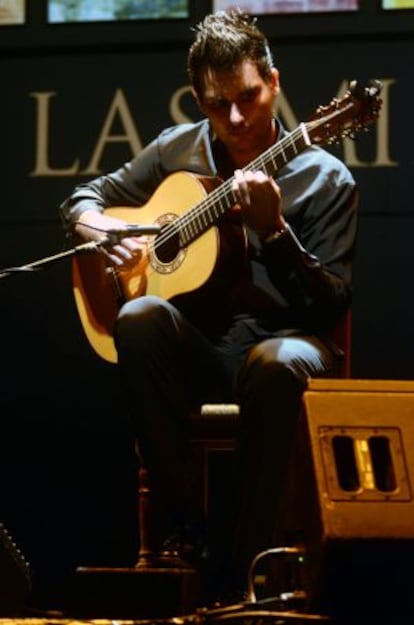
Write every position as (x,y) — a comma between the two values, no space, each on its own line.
(99,290)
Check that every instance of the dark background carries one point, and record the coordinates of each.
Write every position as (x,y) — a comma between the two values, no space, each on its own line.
(68,494)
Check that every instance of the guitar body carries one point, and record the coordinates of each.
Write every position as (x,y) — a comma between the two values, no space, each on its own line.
(168,271)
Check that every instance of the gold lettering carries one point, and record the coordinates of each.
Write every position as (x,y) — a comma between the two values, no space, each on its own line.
(176,112)
(119,107)
(42,167)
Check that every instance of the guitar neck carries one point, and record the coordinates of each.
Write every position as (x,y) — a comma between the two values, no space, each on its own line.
(207,213)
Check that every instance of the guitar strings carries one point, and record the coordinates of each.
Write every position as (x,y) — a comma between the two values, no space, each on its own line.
(195,214)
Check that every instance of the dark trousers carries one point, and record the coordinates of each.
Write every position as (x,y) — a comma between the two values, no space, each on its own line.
(168,368)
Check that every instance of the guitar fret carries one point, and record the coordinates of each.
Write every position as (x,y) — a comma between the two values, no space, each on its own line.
(292,149)
(261,163)
(187,232)
(272,167)
(199,222)
(208,219)
(217,212)
(229,201)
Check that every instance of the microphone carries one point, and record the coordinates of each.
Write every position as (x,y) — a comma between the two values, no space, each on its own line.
(114,235)
(133,230)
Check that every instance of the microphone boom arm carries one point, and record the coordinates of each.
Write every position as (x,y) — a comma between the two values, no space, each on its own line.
(113,235)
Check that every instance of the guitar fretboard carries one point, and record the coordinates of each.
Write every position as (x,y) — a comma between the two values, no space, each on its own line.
(207,213)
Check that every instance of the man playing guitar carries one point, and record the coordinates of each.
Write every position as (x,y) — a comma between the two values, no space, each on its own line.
(235,297)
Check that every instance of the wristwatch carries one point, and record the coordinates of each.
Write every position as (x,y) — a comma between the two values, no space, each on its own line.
(276,235)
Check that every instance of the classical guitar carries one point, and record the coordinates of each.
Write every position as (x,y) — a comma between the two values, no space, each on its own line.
(193,212)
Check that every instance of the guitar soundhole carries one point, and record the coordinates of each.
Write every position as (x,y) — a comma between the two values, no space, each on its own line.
(167,244)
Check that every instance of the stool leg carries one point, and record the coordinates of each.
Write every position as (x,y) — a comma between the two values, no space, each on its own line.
(146,555)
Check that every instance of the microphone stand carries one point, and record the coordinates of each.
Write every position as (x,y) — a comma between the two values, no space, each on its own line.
(90,247)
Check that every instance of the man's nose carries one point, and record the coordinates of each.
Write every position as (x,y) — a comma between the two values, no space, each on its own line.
(235,114)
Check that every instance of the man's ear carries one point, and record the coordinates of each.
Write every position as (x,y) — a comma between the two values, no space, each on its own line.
(274,81)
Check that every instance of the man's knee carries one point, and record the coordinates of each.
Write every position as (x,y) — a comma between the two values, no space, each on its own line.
(137,316)
(140,306)
(304,356)
(285,364)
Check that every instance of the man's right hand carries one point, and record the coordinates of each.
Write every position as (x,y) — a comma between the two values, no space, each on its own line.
(124,253)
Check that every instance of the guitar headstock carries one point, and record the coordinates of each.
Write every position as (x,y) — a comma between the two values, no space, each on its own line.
(344,117)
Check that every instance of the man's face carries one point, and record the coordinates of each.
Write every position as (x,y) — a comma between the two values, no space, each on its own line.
(239,105)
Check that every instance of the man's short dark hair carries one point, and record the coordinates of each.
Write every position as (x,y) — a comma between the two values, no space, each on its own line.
(223,41)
